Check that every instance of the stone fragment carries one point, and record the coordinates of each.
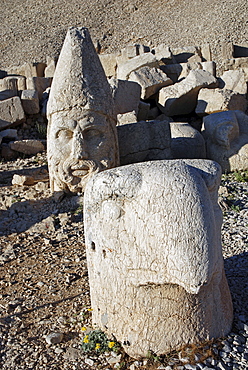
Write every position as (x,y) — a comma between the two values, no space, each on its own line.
(21,180)
(234,80)
(151,80)
(130,51)
(209,67)
(30,101)
(10,83)
(144,141)
(126,95)
(206,53)
(27,146)
(226,136)
(227,50)
(173,71)
(28,70)
(182,55)
(124,69)
(11,112)
(40,84)
(8,134)
(143,111)
(54,338)
(126,118)
(187,67)
(181,98)
(162,52)
(82,136)
(186,142)
(217,100)
(153,242)
(109,64)
(50,66)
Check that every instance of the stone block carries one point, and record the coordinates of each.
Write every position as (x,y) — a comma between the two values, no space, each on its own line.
(130,51)
(40,84)
(153,244)
(126,118)
(181,98)
(182,55)
(126,95)
(144,141)
(150,79)
(7,94)
(234,80)
(186,142)
(217,100)
(143,111)
(109,64)
(8,134)
(30,101)
(227,50)
(206,53)
(50,66)
(209,67)
(11,112)
(28,70)
(124,69)
(162,52)
(21,180)
(27,146)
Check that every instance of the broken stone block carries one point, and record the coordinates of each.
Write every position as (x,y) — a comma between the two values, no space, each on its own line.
(126,118)
(206,53)
(151,80)
(217,100)
(109,64)
(30,101)
(181,98)
(50,67)
(21,180)
(153,243)
(182,55)
(10,83)
(82,135)
(130,51)
(40,84)
(227,50)
(186,142)
(11,112)
(226,136)
(162,52)
(234,80)
(28,70)
(126,95)
(27,146)
(209,67)
(173,71)
(143,111)
(144,141)
(187,68)
(8,134)
(124,69)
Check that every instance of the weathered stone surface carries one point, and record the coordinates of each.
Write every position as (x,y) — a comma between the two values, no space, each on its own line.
(183,54)
(227,50)
(82,136)
(126,95)
(40,84)
(11,112)
(50,67)
(181,98)
(27,146)
(28,70)
(234,80)
(226,136)
(217,100)
(206,53)
(126,118)
(9,83)
(30,101)
(209,67)
(162,52)
(124,69)
(21,180)
(109,64)
(144,141)
(151,80)
(186,142)
(150,289)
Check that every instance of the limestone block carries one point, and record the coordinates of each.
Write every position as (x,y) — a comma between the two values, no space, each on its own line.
(109,64)
(153,243)
(150,79)
(124,69)
(217,100)
(181,98)
(50,66)
(28,70)
(144,141)
(143,111)
(130,51)
(186,68)
(186,142)
(30,101)
(10,83)
(126,118)
(11,112)
(226,136)
(209,67)
(27,146)
(82,135)
(173,71)
(234,80)
(183,54)
(206,53)
(40,84)
(126,95)
(162,52)
(227,50)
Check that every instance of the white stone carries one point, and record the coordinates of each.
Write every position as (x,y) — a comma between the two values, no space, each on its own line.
(40,84)
(126,118)
(54,338)
(206,52)
(126,95)
(124,69)
(153,242)
(11,112)
(150,79)
(162,51)
(82,136)
(30,101)
(50,67)
(235,81)
(181,98)
(21,180)
(27,146)
(109,64)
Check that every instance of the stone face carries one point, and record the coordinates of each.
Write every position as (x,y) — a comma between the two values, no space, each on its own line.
(82,137)
(144,141)
(226,136)
(27,146)
(11,112)
(181,98)
(217,100)
(151,80)
(186,142)
(146,59)
(30,101)
(154,254)
(126,95)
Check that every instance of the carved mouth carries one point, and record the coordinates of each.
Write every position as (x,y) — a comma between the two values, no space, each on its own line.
(80,171)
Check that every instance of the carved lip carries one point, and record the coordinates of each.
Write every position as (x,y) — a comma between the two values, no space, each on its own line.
(80,171)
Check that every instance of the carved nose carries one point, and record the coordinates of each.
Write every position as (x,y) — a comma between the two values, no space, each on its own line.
(79,147)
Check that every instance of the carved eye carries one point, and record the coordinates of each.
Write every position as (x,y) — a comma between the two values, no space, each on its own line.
(91,133)
(64,134)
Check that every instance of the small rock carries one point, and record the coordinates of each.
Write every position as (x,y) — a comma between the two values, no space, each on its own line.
(54,338)
(89,361)
(21,180)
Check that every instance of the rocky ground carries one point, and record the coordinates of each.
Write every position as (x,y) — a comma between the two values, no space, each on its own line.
(44,282)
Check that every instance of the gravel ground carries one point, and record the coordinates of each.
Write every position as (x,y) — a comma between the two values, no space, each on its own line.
(30,29)
(44,282)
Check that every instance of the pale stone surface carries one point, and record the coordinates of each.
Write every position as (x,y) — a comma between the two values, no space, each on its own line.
(181,98)
(227,50)
(27,146)
(126,118)
(50,67)
(144,141)
(126,95)
(183,54)
(28,70)
(154,256)
(146,59)
(206,53)
(11,112)
(186,142)
(162,51)
(235,81)
(150,79)
(40,84)
(21,180)
(226,136)
(30,101)
(82,136)
(109,63)
(217,100)
(209,67)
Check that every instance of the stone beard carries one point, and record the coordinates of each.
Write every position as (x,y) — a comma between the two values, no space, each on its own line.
(80,143)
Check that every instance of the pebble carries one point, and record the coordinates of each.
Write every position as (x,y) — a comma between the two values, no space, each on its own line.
(54,338)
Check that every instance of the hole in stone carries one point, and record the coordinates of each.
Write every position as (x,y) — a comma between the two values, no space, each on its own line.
(104,253)
(93,246)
